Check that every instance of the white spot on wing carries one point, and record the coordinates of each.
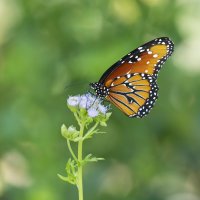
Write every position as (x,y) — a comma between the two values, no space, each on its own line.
(128,75)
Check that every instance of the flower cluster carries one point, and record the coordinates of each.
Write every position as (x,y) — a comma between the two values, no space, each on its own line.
(90,114)
(92,104)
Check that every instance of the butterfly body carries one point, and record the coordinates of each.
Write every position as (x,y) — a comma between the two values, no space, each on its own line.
(131,83)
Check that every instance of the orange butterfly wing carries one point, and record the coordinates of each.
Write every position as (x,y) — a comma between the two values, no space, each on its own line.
(134,95)
(131,82)
(147,59)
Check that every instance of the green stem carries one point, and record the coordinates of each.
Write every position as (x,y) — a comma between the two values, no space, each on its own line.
(71,150)
(80,166)
(77,118)
(91,130)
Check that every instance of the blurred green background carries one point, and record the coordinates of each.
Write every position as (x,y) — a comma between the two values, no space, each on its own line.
(52,49)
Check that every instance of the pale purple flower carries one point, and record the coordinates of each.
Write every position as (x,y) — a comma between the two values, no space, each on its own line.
(92,112)
(73,100)
(83,102)
(86,101)
(92,104)
(90,100)
(103,109)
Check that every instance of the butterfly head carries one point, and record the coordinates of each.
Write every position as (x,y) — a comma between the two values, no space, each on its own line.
(100,90)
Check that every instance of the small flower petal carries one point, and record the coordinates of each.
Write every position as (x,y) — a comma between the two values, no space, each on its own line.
(83,102)
(72,129)
(92,112)
(91,99)
(73,100)
(88,102)
(103,109)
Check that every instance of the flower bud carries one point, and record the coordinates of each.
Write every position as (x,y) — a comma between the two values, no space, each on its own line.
(71,133)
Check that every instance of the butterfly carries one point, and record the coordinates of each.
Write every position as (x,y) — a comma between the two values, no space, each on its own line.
(131,83)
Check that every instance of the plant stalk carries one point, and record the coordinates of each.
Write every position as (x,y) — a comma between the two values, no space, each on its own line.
(80,166)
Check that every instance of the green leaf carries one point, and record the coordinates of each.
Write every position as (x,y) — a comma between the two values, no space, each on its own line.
(90,133)
(72,108)
(94,159)
(64,131)
(67,179)
(71,170)
(102,123)
(77,139)
(90,158)
(102,119)
(108,115)
(71,167)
